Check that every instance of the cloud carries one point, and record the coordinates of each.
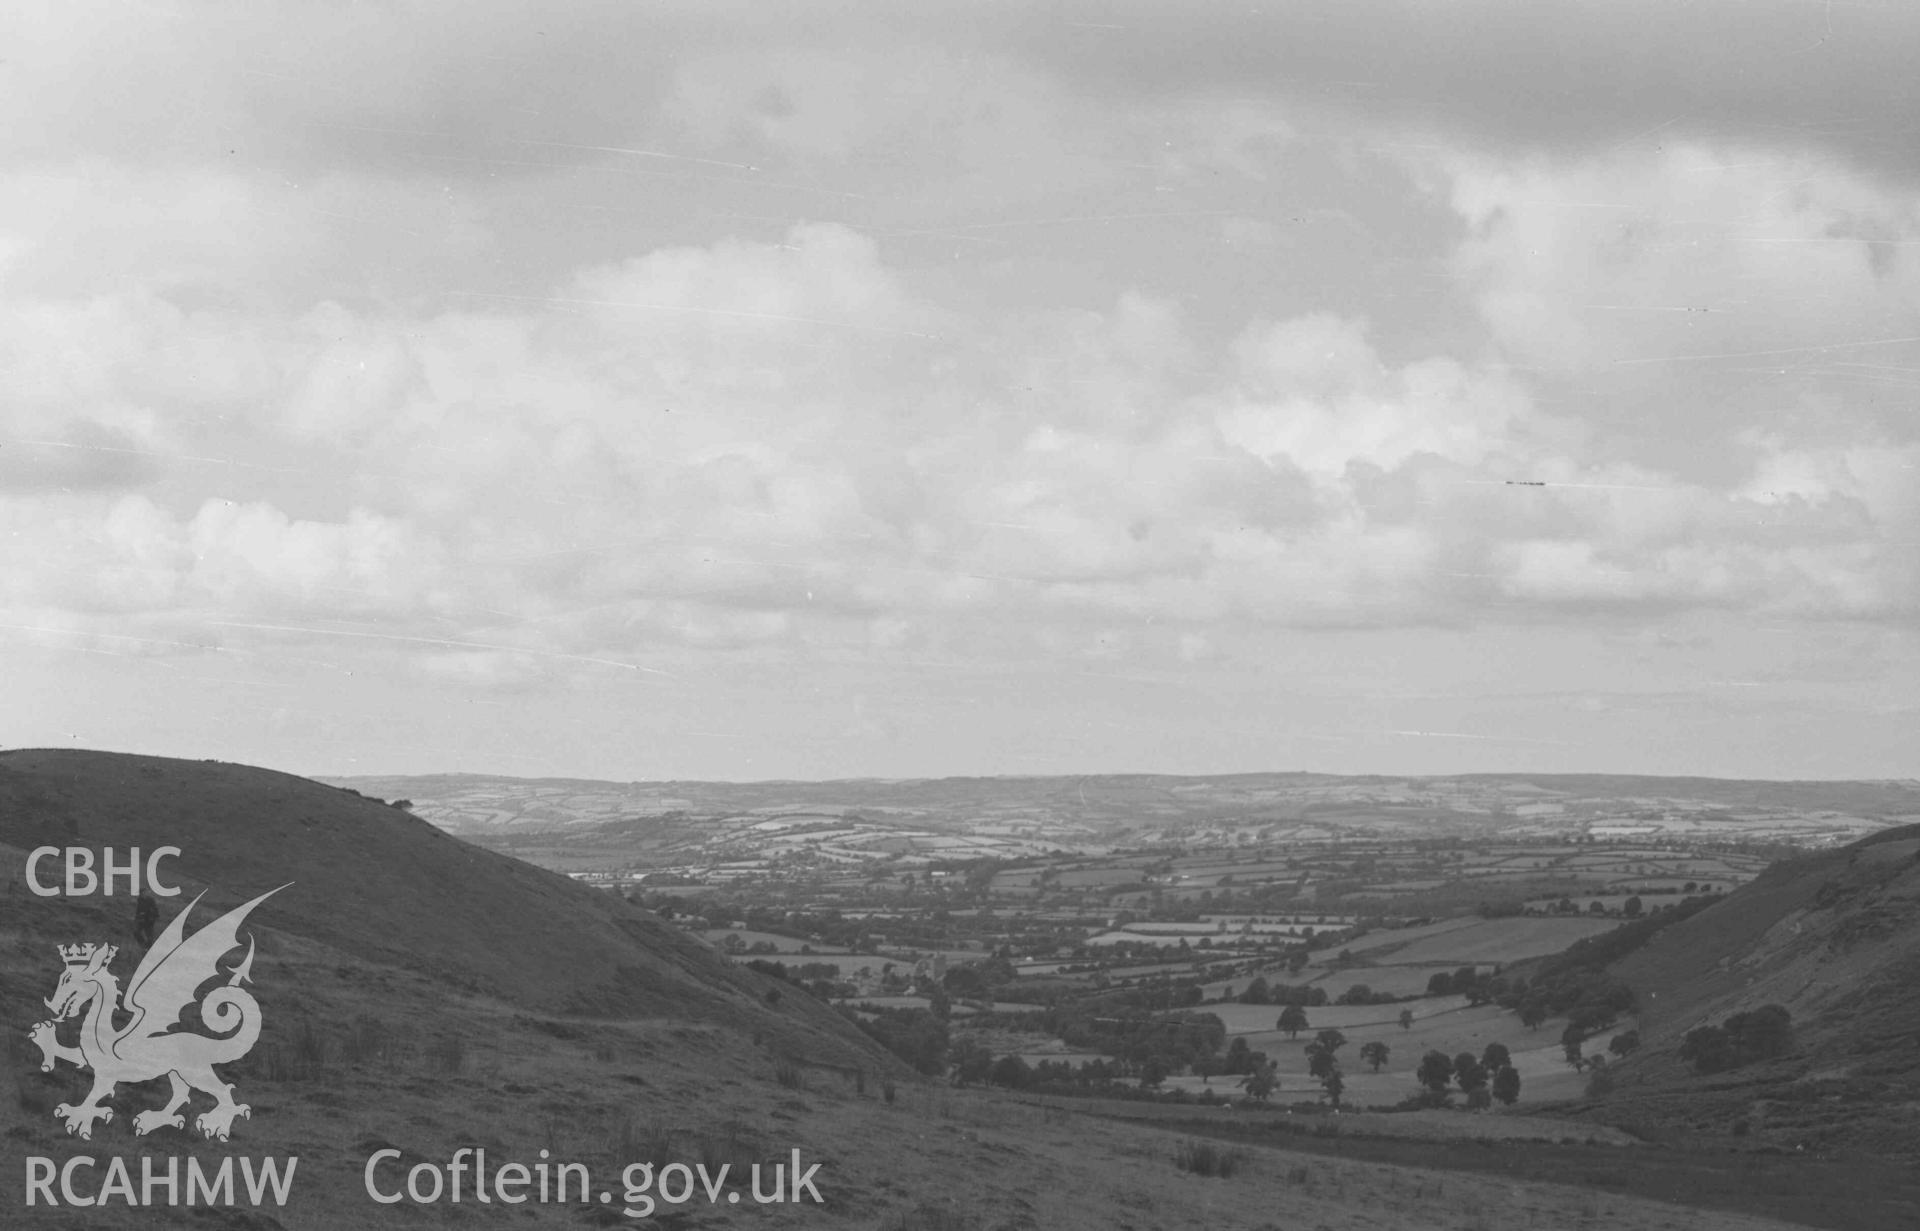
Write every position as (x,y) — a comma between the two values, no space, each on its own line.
(1557,76)
(1691,253)
(746,445)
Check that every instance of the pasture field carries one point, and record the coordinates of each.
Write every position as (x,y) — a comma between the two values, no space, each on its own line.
(1084,878)
(1394,980)
(1399,936)
(1537,1055)
(781,944)
(1485,941)
(846,964)
(957,1009)
(1258,1018)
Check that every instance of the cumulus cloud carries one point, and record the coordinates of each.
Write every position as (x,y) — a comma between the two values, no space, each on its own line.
(744,444)
(287,389)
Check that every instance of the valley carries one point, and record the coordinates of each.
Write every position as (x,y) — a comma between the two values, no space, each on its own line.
(1193,1021)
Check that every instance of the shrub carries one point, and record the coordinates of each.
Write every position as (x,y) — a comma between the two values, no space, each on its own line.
(1762,1034)
(1206,1158)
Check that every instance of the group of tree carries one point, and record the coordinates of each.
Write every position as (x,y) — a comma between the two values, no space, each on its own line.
(914,1035)
(1760,1034)
(1177,1039)
(1360,993)
(1482,1078)
(1261,992)
(1323,1063)
(1469,981)
(1239,1059)
(1588,996)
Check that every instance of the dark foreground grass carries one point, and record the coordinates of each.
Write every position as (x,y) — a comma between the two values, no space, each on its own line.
(1837,1192)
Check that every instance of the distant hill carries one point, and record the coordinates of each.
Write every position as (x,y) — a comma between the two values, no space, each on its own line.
(378,884)
(1834,938)
(1092,810)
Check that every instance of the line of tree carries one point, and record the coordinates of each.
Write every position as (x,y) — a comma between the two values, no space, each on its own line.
(1261,992)
(1178,1039)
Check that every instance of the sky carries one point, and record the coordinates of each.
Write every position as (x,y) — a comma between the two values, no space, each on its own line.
(706,390)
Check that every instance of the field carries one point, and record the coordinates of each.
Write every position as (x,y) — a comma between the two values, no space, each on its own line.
(1488,941)
(1400,961)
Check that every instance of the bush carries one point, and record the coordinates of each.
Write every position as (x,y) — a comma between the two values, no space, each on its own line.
(1206,1158)
(1762,1034)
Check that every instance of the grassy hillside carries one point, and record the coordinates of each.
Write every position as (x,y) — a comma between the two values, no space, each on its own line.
(380,886)
(1834,938)
(424,996)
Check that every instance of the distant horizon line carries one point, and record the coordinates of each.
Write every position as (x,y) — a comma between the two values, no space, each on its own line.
(1003,777)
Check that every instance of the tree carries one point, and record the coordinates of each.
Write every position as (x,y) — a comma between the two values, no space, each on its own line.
(1761,1034)
(1256,992)
(1153,1072)
(1406,1019)
(1440,984)
(1570,1039)
(1478,1099)
(1506,1085)
(1624,1043)
(1596,907)
(972,1064)
(1496,1057)
(1435,1071)
(1469,1072)
(1262,1081)
(1707,1049)
(1375,1053)
(1633,907)
(1533,1011)
(1333,1084)
(1329,1041)
(1013,1073)
(1746,1037)
(1293,1019)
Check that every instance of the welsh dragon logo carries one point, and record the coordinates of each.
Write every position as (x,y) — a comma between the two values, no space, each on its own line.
(152,1041)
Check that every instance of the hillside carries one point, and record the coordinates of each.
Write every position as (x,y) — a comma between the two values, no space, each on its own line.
(425,997)
(384,887)
(1834,938)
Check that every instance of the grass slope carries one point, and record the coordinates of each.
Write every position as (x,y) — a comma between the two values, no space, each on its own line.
(378,885)
(1835,938)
